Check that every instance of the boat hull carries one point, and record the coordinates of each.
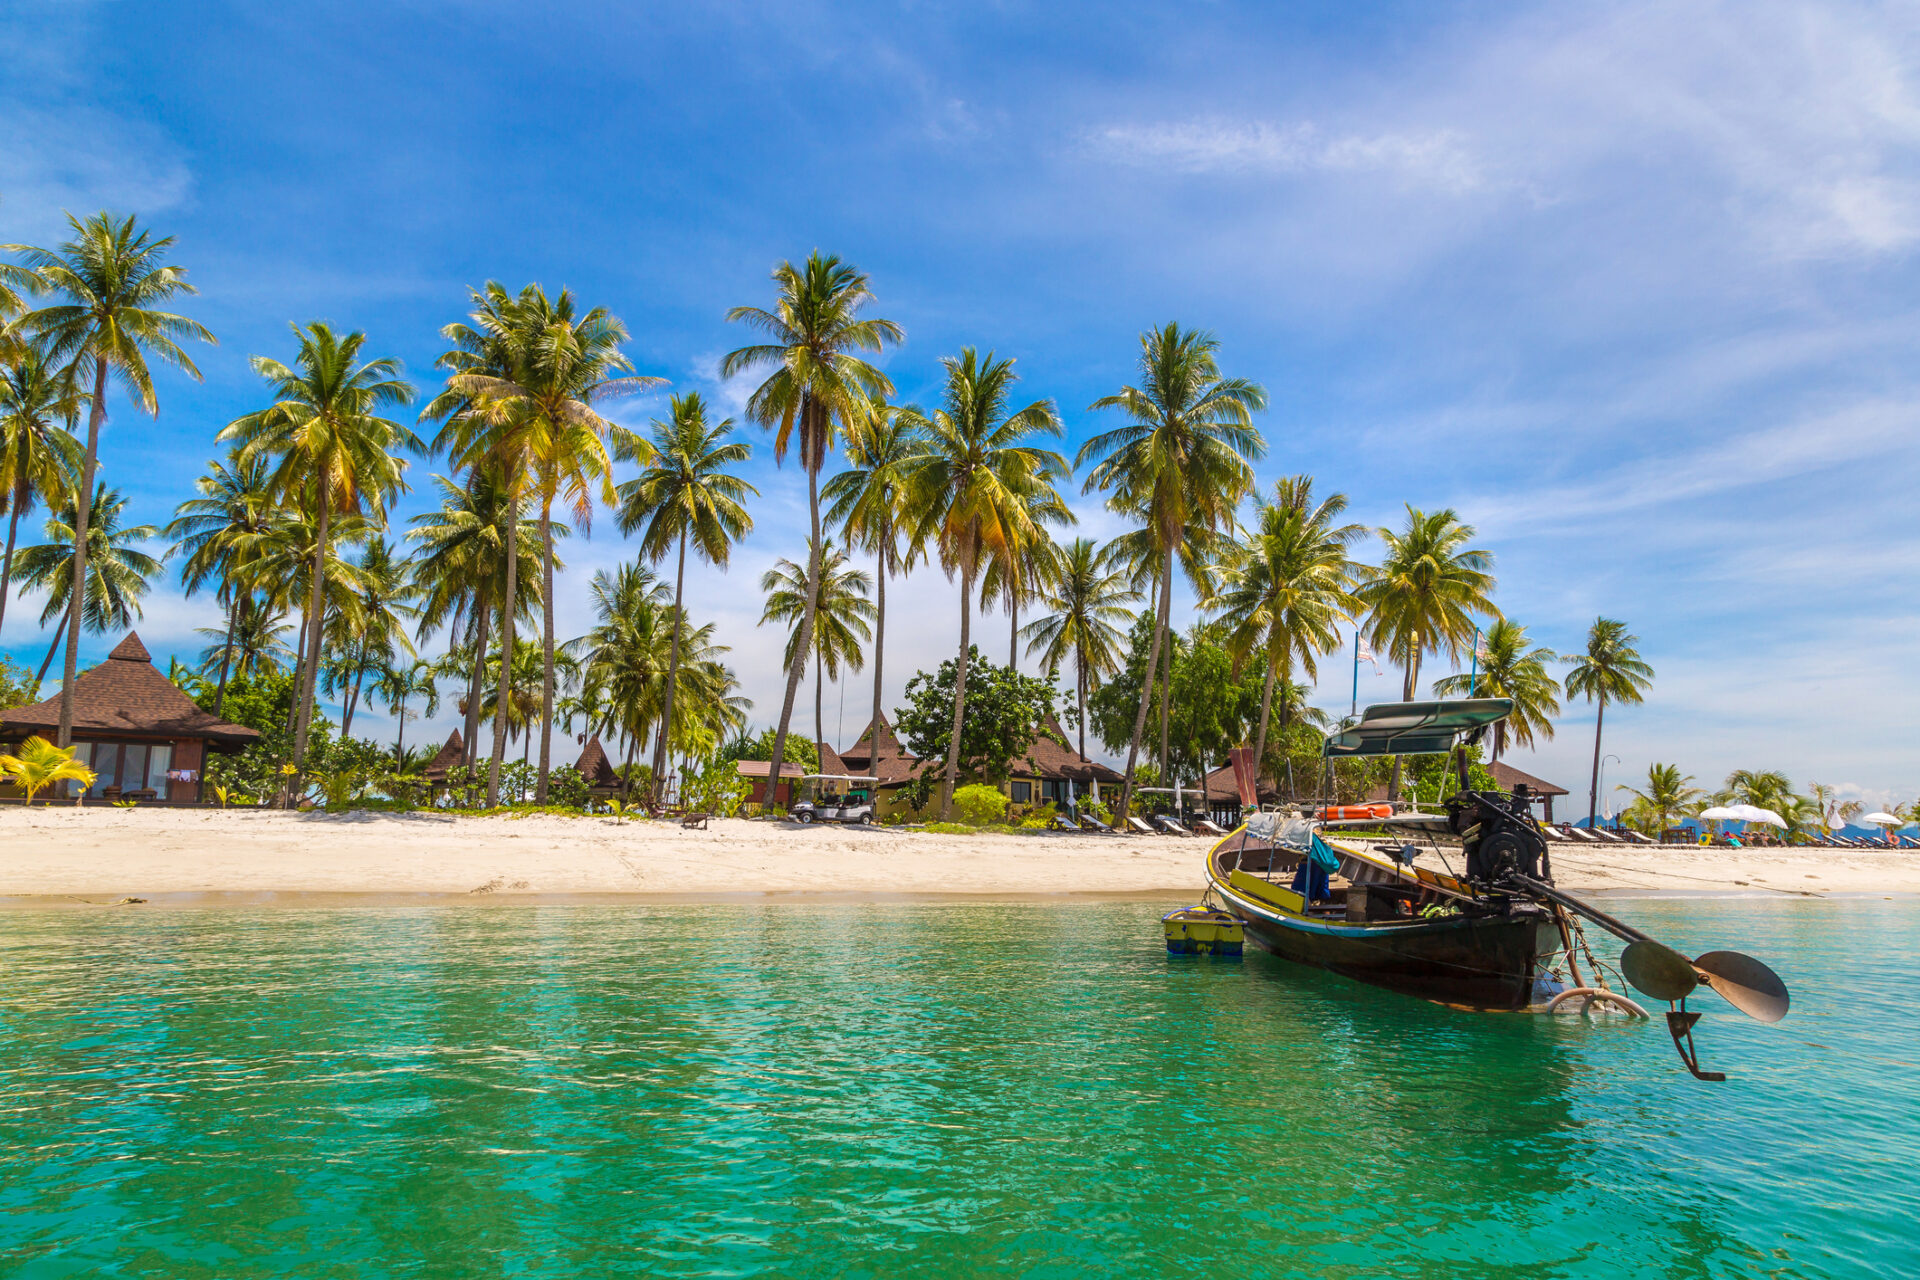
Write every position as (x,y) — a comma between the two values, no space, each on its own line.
(1484,962)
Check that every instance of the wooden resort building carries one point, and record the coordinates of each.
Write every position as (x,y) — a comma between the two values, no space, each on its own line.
(143,738)
(445,760)
(1046,773)
(1543,792)
(594,766)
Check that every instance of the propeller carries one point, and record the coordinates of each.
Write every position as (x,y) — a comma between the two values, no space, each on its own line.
(1658,970)
(1744,983)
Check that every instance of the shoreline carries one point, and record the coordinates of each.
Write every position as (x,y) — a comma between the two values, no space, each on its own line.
(198,857)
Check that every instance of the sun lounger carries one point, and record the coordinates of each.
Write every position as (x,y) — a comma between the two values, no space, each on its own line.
(1208,827)
(1639,837)
(1140,826)
(1091,823)
(694,821)
(1171,826)
(1577,834)
(1063,823)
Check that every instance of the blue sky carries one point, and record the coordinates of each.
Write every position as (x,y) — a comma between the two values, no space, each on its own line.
(1630,286)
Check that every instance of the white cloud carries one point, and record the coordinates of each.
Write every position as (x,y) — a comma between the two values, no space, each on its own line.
(79,159)
(1440,159)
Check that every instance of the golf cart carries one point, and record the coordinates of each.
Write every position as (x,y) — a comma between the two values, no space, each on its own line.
(834,797)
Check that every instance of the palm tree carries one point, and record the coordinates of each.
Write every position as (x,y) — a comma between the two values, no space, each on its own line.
(686,494)
(221,533)
(364,638)
(39,454)
(1667,798)
(108,281)
(1609,671)
(867,503)
(253,643)
(332,454)
(1089,600)
(1025,569)
(1424,595)
(526,381)
(627,651)
(841,610)
(1284,594)
(975,490)
(117,570)
(1182,461)
(817,384)
(463,572)
(1507,668)
(40,764)
(1834,812)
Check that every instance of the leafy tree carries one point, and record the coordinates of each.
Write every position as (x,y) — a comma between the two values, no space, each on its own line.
(816,384)
(978,805)
(1181,463)
(17,688)
(1666,798)
(107,283)
(1006,713)
(1610,670)
(1212,708)
(760,747)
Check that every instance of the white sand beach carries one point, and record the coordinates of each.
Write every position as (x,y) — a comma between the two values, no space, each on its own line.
(66,854)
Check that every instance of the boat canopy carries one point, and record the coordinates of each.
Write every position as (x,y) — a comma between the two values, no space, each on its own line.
(1416,728)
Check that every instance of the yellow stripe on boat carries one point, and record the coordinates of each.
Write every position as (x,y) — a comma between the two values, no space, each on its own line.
(1254,887)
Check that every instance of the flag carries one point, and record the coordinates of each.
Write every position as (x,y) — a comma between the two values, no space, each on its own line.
(1364,653)
(1243,776)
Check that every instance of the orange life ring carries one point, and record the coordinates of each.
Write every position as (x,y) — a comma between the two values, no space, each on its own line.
(1339,812)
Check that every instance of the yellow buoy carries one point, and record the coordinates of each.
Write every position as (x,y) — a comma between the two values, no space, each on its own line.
(1202,931)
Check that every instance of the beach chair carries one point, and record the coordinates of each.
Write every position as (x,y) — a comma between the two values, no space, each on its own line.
(1140,826)
(1090,823)
(1579,835)
(694,821)
(1209,827)
(1171,826)
(1061,822)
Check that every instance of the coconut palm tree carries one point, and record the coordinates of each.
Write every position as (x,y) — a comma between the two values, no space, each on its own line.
(529,391)
(253,644)
(1609,671)
(685,494)
(366,638)
(867,504)
(463,573)
(1285,592)
(841,612)
(39,454)
(221,532)
(1089,601)
(816,389)
(107,285)
(976,489)
(1667,798)
(399,685)
(1833,812)
(1507,668)
(118,572)
(332,453)
(1424,596)
(1021,572)
(627,651)
(1182,461)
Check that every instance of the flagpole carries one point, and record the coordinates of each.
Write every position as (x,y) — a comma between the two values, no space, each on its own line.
(1355,709)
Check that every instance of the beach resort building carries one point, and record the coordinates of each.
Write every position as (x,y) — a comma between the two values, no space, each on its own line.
(143,738)
(1046,773)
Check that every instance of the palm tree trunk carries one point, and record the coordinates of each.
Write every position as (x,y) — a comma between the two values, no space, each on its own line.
(1166,698)
(226,654)
(673,666)
(1411,683)
(1593,793)
(819,700)
(304,721)
(359,687)
(469,748)
(805,639)
(879,648)
(1266,710)
(400,735)
(503,695)
(546,643)
(6,563)
(1146,693)
(1013,637)
(959,691)
(82,509)
(1080,686)
(59,634)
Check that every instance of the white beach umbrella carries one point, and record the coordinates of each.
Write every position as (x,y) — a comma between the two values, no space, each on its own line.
(1719,813)
(1753,813)
(1884,819)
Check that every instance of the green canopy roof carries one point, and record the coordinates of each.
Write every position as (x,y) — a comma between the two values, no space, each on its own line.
(1416,728)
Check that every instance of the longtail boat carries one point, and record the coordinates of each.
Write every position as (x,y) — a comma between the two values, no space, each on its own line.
(1337,889)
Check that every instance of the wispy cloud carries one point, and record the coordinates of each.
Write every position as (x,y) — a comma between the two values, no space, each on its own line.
(1441,159)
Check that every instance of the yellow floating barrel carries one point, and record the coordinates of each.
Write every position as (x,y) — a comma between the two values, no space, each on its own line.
(1202,931)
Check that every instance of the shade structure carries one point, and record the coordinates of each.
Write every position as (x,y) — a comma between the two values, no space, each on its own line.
(1743,813)
(1885,819)
(1415,728)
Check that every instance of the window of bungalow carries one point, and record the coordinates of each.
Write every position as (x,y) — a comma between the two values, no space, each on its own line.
(1022,792)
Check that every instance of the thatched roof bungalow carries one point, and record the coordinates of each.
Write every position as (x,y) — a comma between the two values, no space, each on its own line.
(143,738)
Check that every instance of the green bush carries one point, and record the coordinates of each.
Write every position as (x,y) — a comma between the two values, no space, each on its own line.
(567,788)
(718,789)
(1039,819)
(978,804)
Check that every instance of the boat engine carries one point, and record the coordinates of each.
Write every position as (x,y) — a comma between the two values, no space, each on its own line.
(1497,834)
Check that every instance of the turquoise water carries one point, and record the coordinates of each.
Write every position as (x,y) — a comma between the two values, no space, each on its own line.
(914,1089)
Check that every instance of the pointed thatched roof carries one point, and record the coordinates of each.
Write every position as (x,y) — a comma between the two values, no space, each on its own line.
(891,765)
(126,694)
(1048,759)
(595,767)
(447,759)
